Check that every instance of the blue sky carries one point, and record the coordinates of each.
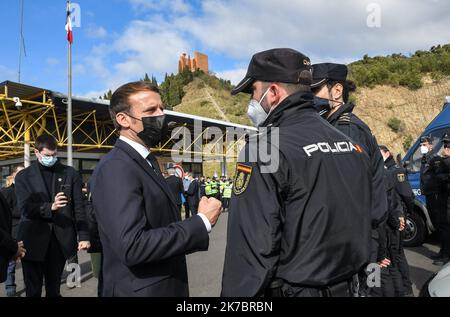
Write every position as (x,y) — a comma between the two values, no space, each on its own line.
(120,40)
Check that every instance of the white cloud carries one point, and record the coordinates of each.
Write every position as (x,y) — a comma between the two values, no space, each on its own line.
(79,70)
(233,75)
(318,27)
(94,94)
(51,61)
(177,6)
(96,32)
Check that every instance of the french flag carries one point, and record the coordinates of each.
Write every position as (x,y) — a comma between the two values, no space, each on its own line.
(69,24)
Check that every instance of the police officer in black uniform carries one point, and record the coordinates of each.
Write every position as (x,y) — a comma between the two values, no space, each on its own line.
(440,166)
(391,279)
(430,185)
(301,226)
(330,85)
(399,175)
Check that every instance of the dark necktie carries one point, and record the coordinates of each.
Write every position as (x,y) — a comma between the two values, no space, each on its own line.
(152,159)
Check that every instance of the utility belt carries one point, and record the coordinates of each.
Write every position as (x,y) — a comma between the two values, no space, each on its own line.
(281,288)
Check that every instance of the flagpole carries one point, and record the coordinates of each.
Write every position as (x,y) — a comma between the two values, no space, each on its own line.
(69,105)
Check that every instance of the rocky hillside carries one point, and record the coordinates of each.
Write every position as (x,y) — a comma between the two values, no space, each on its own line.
(397,115)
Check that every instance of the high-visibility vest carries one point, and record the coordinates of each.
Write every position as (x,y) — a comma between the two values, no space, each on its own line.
(214,188)
(222,185)
(208,189)
(227,190)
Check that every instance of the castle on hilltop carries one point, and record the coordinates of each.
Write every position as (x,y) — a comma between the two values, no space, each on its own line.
(200,61)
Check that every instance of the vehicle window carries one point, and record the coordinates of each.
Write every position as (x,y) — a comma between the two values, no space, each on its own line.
(415,160)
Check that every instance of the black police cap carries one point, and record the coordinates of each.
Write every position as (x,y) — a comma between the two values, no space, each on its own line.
(426,138)
(283,65)
(446,138)
(322,73)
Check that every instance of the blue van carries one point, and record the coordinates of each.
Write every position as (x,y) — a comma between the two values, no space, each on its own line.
(419,224)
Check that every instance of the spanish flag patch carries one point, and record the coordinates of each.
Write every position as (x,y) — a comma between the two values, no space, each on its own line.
(242,178)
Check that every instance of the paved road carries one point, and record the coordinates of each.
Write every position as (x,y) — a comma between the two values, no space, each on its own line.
(205,268)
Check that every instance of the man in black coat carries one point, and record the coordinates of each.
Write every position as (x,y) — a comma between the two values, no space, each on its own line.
(176,187)
(10,195)
(51,204)
(144,240)
(10,249)
(404,190)
(192,195)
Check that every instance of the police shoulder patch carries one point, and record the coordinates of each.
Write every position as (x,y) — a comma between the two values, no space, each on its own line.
(401,177)
(242,178)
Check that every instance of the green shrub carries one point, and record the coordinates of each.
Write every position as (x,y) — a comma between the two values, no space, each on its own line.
(407,142)
(395,124)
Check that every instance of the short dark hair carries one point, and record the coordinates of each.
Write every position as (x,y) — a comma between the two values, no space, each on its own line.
(45,141)
(119,100)
(384,148)
(349,86)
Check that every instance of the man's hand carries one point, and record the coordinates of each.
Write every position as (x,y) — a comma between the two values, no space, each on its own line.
(20,251)
(384,263)
(211,208)
(84,245)
(60,202)
(402,223)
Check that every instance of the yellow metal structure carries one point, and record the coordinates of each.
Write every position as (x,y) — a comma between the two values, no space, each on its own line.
(37,116)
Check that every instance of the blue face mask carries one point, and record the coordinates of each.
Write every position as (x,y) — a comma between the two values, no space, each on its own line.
(48,161)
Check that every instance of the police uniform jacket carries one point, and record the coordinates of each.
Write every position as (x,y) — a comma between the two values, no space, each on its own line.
(347,122)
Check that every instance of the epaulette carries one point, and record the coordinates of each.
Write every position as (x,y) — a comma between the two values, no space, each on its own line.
(345,118)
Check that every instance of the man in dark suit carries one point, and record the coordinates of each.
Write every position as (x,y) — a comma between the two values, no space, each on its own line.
(176,187)
(10,249)
(144,240)
(50,200)
(10,195)
(193,195)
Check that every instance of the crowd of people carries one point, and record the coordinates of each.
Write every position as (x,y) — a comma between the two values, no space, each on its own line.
(334,206)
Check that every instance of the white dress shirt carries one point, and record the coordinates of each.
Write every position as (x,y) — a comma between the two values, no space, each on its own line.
(144,152)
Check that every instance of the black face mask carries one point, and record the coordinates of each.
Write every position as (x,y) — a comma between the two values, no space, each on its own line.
(155,129)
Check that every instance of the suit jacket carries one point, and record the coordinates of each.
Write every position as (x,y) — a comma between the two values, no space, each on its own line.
(144,242)
(8,246)
(176,187)
(10,195)
(192,194)
(38,220)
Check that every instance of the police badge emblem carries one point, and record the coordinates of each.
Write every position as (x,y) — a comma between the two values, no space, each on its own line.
(401,177)
(242,178)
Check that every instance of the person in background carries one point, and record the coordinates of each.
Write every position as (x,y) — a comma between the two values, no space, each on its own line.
(192,195)
(404,190)
(96,249)
(176,187)
(215,188)
(186,183)
(226,195)
(50,200)
(202,187)
(10,249)
(208,192)
(10,196)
